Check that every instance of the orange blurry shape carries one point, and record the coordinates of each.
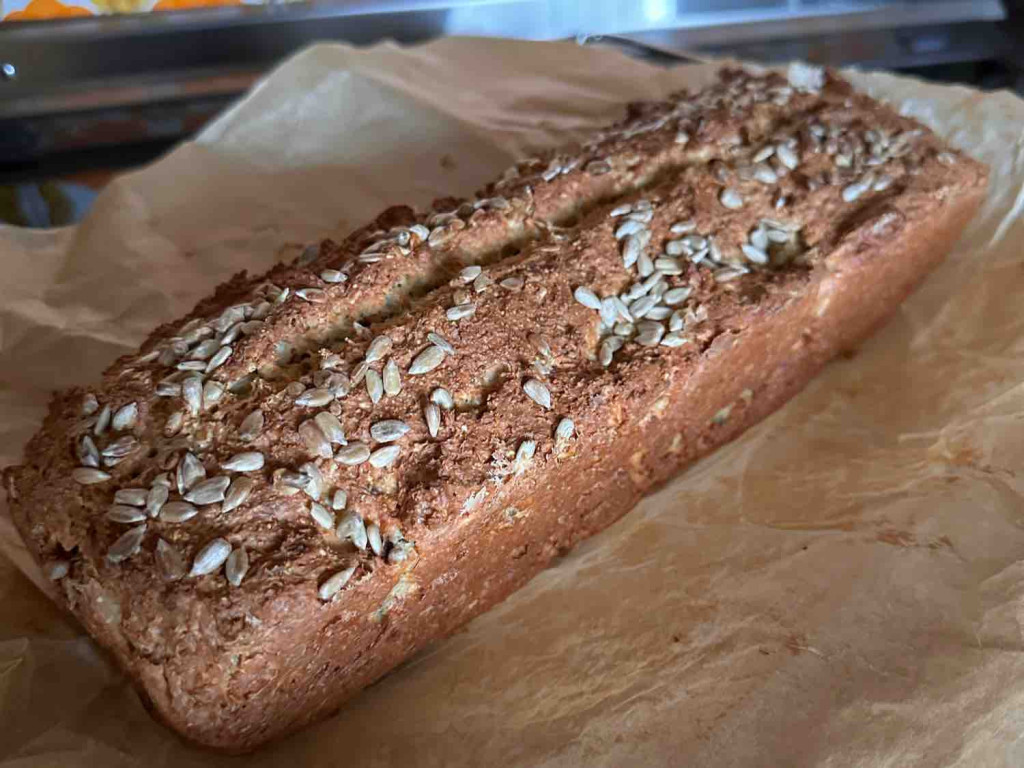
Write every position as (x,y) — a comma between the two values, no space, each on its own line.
(47,9)
(177,5)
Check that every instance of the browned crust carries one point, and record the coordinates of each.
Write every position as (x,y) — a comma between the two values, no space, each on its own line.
(232,668)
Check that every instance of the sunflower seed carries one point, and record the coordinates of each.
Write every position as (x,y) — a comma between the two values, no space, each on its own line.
(440,341)
(427,360)
(352,528)
(373,538)
(587,297)
(191,365)
(169,561)
(389,430)
(667,266)
(192,393)
(512,283)
(432,415)
(122,513)
(460,312)
(127,545)
(120,447)
(631,251)
(295,389)
(168,389)
(537,392)
(102,421)
(378,349)
(470,273)
(419,231)
(730,198)
(321,516)
(609,311)
(400,550)
(314,485)
(374,386)
(237,566)
(204,350)
(644,265)
(219,358)
(642,306)
(329,429)
(190,471)
(565,429)
(87,453)
(57,570)
(787,156)
(853,191)
(88,475)
(212,393)
(628,227)
(352,454)
(482,283)
(251,427)
(676,296)
(673,340)
(90,404)
(249,461)
(237,493)
(282,352)
(676,247)
(649,333)
(682,227)
(759,239)
(209,491)
(625,330)
(609,347)
(621,210)
(728,274)
(339,500)
(163,479)
(155,499)
(312,295)
(334,583)
(755,255)
(125,417)
(883,183)
(675,322)
(211,557)
(385,457)
(524,455)
(443,398)
(133,497)
(314,398)
(764,174)
(314,439)
(333,276)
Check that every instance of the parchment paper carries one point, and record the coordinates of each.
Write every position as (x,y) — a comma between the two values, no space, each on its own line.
(841,587)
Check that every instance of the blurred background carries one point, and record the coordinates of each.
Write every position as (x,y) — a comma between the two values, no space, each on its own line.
(91,87)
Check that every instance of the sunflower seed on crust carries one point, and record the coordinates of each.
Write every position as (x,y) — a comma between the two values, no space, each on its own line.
(586,297)
(388,430)
(334,583)
(122,513)
(440,341)
(125,417)
(237,493)
(385,457)
(156,497)
(87,453)
(177,512)
(392,378)
(102,421)
(537,392)
(331,428)
(378,349)
(89,475)
(251,427)
(443,398)
(373,538)
(236,566)
(190,471)
(314,398)
(339,500)
(127,545)
(249,461)
(333,276)
(211,557)
(352,454)
(321,516)
(314,439)
(351,527)
(90,404)
(219,358)
(432,415)
(427,360)
(192,393)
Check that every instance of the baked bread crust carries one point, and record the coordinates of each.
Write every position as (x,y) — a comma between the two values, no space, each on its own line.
(786,220)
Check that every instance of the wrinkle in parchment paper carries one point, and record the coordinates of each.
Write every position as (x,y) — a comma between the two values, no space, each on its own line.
(842,586)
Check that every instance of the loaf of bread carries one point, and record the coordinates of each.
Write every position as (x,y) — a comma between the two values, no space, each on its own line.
(324,468)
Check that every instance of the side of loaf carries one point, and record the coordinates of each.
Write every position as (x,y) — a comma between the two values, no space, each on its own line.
(324,468)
